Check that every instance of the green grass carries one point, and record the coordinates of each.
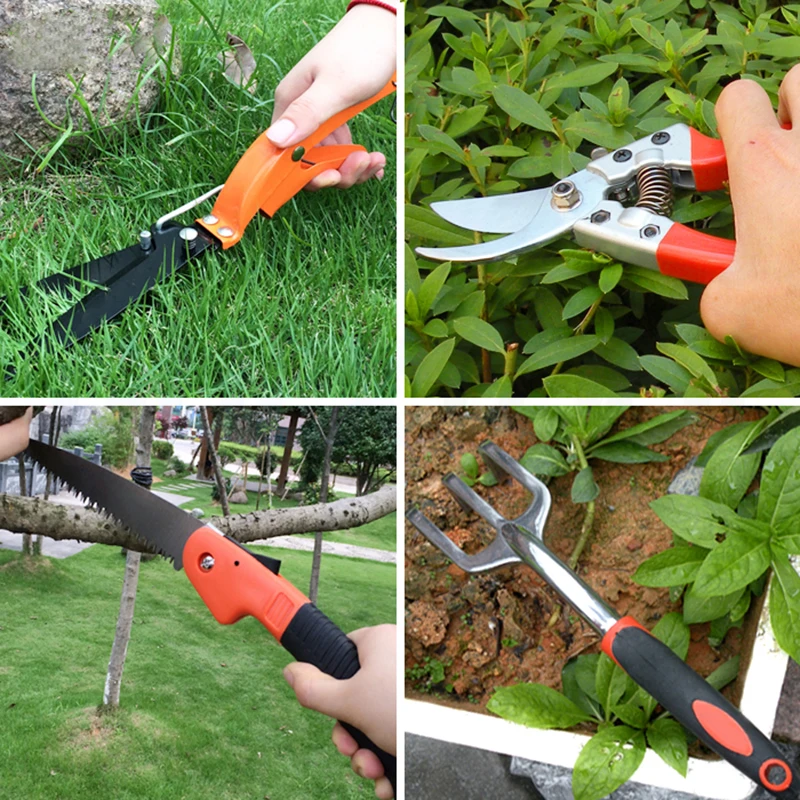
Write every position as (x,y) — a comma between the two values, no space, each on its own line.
(303,306)
(205,712)
(380,534)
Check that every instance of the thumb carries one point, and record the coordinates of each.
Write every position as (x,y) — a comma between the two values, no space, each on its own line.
(318,691)
(305,114)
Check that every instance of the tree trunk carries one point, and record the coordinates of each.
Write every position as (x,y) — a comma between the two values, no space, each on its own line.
(52,439)
(286,462)
(122,636)
(330,436)
(216,466)
(23,492)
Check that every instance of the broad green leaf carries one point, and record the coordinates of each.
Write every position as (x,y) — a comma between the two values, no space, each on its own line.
(431,287)
(571,687)
(655,430)
(740,559)
(604,325)
(585,674)
(502,387)
(521,106)
(583,76)
(784,614)
(689,360)
(673,631)
(610,683)
(555,353)
(729,473)
(696,519)
(430,368)
(542,459)
(724,674)
(536,706)
(620,354)
(673,567)
(779,494)
(545,424)
(436,329)
(600,420)
(627,453)
(470,465)
(610,277)
(607,761)
(704,609)
(652,281)
(479,333)
(584,488)
(631,712)
(574,386)
(668,739)
(580,301)
(430,226)
(668,372)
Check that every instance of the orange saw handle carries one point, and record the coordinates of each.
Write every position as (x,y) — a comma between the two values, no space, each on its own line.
(267,176)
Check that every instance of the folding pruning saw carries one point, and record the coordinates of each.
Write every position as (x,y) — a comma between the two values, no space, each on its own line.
(263,180)
(232,581)
(590,205)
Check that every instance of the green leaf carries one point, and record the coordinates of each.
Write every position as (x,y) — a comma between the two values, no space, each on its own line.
(673,631)
(626,453)
(436,329)
(535,706)
(582,76)
(555,353)
(521,106)
(488,478)
(673,567)
(696,519)
(542,459)
(479,333)
(732,565)
(779,494)
(610,683)
(431,367)
(610,277)
(580,301)
(728,473)
(429,225)
(689,360)
(470,465)
(431,287)
(584,488)
(502,387)
(607,761)
(724,674)
(652,281)
(655,430)
(571,686)
(620,353)
(667,738)
(784,613)
(668,372)
(572,386)
(705,609)
(545,424)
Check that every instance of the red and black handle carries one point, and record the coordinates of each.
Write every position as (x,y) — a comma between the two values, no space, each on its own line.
(699,707)
(233,583)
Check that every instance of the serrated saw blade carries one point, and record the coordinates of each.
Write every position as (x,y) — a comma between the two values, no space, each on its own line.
(152,519)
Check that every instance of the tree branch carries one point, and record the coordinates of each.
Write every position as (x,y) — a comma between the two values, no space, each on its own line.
(36,516)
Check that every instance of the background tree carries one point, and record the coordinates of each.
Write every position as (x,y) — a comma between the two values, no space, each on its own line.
(213,455)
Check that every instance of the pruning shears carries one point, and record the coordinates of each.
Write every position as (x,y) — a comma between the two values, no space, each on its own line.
(230,579)
(619,205)
(699,707)
(265,178)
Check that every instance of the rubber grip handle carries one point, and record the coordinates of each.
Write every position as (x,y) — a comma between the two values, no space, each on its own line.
(693,255)
(312,637)
(709,163)
(699,707)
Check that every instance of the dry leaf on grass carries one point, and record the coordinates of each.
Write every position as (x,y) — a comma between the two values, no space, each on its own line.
(238,64)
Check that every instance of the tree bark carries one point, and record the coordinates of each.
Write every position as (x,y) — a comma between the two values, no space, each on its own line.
(52,439)
(34,515)
(330,437)
(286,462)
(122,636)
(216,465)
(23,492)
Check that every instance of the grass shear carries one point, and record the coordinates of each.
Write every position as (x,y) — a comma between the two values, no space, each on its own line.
(619,205)
(699,707)
(264,179)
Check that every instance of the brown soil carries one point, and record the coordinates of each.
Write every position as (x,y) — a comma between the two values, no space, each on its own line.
(507,626)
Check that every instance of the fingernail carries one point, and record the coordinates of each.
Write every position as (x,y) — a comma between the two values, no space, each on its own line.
(289,675)
(360,772)
(281,132)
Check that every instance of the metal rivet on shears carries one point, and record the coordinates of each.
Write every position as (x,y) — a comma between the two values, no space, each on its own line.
(565,195)
(189,235)
(649,231)
(146,240)
(298,153)
(622,155)
(662,137)
(210,219)
(599,217)
(225,233)
(207,562)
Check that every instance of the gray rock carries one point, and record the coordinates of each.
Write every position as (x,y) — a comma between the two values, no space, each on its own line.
(170,473)
(197,513)
(105,45)
(238,497)
(687,480)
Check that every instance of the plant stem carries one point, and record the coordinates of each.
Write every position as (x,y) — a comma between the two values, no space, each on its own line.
(588,518)
(486,364)
(511,359)
(582,325)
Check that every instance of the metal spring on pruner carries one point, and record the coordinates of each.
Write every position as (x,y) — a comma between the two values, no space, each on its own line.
(655,190)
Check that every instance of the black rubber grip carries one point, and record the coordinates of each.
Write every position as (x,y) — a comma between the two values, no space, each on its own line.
(700,708)
(311,637)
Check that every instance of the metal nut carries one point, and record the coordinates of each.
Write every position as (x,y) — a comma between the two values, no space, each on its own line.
(662,137)
(146,240)
(207,562)
(189,236)
(649,231)
(225,233)
(565,195)
(598,152)
(600,217)
(622,155)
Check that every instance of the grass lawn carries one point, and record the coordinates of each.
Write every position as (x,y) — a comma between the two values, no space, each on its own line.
(381,533)
(304,306)
(206,713)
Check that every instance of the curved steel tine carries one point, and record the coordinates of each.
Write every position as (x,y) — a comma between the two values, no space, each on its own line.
(472,501)
(497,554)
(503,465)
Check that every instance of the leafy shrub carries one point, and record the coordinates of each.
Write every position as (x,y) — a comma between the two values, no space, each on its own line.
(215,490)
(515,97)
(113,430)
(179,466)
(163,449)
(227,454)
(260,459)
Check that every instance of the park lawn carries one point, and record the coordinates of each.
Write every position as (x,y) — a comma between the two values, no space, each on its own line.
(205,712)
(304,306)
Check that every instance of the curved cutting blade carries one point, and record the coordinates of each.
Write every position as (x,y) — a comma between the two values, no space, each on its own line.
(152,519)
(503,213)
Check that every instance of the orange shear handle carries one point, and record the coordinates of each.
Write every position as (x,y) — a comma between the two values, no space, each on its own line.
(267,176)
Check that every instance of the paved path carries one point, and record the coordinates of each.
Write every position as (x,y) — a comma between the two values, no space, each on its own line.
(334,548)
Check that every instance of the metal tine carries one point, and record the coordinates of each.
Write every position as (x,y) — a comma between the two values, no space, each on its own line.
(502,466)
(470,500)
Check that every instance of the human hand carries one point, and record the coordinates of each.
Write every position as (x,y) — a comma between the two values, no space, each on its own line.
(14,434)
(367,700)
(756,300)
(352,63)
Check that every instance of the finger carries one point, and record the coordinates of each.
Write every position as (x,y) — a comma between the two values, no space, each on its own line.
(343,741)
(744,109)
(354,169)
(366,764)
(331,177)
(293,85)
(383,789)
(315,689)
(306,113)
(789,97)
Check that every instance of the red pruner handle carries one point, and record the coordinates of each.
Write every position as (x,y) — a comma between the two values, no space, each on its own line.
(709,163)
(693,255)
(699,707)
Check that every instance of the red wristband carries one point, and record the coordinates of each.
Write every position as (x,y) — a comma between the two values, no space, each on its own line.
(387,4)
